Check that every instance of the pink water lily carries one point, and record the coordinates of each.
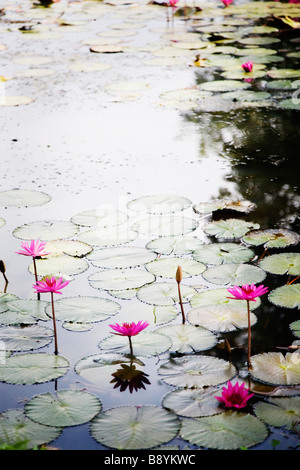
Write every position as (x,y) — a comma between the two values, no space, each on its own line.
(129,329)
(248,66)
(173,3)
(234,396)
(50,285)
(35,248)
(227,2)
(247,292)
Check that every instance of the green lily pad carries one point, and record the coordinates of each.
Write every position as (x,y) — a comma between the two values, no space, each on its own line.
(33,368)
(231,430)
(167,267)
(161,204)
(118,279)
(65,408)
(293,103)
(192,402)
(204,208)
(229,228)
(188,338)
(2,222)
(221,318)
(153,314)
(258,40)
(186,94)
(284,73)
(101,217)
(255,51)
(165,225)
(272,238)
(108,236)
(285,263)
(196,371)
(18,100)
(223,85)
(286,296)
(134,427)
(146,344)
(120,257)
(67,247)
(23,198)
(25,338)
(282,85)
(19,311)
(275,368)
(295,327)
(246,95)
(59,266)
(178,245)
(83,309)
(15,428)
(164,293)
(222,253)
(234,274)
(46,230)
(219,296)
(281,412)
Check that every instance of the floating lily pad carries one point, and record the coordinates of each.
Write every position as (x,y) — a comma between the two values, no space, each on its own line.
(272,238)
(19,311)
(6,297)
(164,293)
(107,48)
(83,309)
(192,402)
(32,73)
(2,222)
(161,204)
(293,103)
(282,85)
(221,318)
(275,368)
(285,263)
(188,338)
(65,408)
(33,60)
(120,257)
(284,73)
(186,94)
(46,230)
(165,225)
(23,198)
(67,247)
(134,427)
(126,86)
(146,344)
(89,67)
(25,338)
(153,314)
(33,368)
(219,253)
(15,428)
(229,228)
(231,430)
(295,327)
(118,279)
(219,296)
(196,371)
(255,51)
(246,95)
(223,85)
(7,100)
(101,217)
(167,267)
(59,266)
(258,40)
(108,236)
(179,245)
(234,274)
(286,296)
(221,204)
(281,412)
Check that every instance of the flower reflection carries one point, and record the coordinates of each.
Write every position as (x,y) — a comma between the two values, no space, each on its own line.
(129,377)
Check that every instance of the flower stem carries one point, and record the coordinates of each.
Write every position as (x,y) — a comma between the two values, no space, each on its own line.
(181,304)
(249,335)
(54,325)
(36,276)
(130,345)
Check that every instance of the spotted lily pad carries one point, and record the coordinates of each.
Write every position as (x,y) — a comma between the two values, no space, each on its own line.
(46,230)
(235,274)
(178,245)
(165,225)
(286,296)
(19,311)
(192,402)
(23,198)
(164,293)
(188,338)
(229,228)
(59,266)
(15,428)
(83,309)
(25,338)
(219,253)
(67,247)
(196,371)
(146,344)
(160,204)
(272,238)
(33,368)
(134,427)
(221,318)
(65,408)
(280,412)
(285,263)
(120,257)
(276,368)
(167,267)
(231,430)
(118,279)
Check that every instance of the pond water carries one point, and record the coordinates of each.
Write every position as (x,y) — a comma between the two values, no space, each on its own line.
(103,129)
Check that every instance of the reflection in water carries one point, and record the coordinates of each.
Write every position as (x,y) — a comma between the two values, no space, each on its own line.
(129,377)
(261,146)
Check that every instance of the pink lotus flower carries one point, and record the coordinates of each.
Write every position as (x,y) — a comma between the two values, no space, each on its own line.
(173,3)
(34,249)
(248,66)
(235,396)
(247,292)
(50,285)
(129,329)
(227,2)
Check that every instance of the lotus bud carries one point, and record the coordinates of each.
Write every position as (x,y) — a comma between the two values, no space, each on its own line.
(179,274)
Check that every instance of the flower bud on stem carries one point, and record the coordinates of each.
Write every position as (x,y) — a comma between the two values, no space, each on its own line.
(178,280)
